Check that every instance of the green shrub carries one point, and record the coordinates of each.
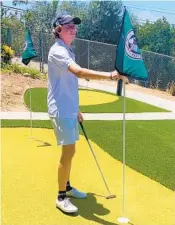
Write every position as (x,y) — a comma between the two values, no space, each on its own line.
(6,54)
(16,68)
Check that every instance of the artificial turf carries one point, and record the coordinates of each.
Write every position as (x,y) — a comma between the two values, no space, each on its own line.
(39,103)
(150,145)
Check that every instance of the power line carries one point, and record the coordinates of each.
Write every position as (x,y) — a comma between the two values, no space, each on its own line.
(142,20)
(150,21)
(23,10)
(33,3)
(148,8)
(25,2)
(13,8)
(135,7)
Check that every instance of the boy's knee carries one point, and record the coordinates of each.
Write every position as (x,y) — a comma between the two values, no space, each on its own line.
(68,152)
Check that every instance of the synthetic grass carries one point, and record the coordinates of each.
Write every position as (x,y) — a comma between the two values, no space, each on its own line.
(150,145)
(39,104)
(30,166)
(29,198)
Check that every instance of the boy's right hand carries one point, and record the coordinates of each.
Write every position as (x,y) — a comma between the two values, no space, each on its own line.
(115,75)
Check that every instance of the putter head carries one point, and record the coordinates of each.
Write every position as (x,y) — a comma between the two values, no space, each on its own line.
(110,196)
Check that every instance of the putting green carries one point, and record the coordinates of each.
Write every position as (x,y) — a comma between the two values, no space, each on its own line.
(88,97)
(29,185)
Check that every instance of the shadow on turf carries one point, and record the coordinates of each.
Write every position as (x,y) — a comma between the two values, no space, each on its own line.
(42,143)
(90,209)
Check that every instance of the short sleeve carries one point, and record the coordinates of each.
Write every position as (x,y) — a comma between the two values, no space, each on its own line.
(62,59)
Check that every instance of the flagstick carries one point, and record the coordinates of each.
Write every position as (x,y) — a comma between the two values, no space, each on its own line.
(30,110)
(124,219)
(30,113)
(27,55)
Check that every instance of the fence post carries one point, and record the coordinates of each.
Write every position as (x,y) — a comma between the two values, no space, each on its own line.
(9,38)
(88,54)
(42,52)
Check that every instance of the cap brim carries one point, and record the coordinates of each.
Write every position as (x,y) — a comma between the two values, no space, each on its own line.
(76,20)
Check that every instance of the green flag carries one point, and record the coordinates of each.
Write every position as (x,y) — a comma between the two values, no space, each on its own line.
(129,60)
(29,51)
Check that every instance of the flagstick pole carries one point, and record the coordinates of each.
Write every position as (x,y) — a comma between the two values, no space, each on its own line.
(124,219)
(27,55)
(30,113)
(124,147)
(31,122)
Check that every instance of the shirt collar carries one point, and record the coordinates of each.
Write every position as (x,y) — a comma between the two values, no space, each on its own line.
(62,43)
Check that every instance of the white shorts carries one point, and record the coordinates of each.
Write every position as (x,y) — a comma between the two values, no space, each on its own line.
(66,130)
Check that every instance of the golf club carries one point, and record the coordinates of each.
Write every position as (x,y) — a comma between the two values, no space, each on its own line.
(84,132)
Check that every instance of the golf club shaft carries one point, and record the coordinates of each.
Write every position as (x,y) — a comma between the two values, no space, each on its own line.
(82,127)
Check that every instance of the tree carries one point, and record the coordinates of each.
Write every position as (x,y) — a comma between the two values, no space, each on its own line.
(78,9)
(10,24)
(103,21)
(16,2)
(157,37)
(40,15)
(173,40)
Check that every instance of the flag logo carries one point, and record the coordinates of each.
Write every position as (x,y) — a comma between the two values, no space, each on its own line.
(25,45)
(131,48)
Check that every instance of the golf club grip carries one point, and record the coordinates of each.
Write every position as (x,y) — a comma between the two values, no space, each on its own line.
(82,127)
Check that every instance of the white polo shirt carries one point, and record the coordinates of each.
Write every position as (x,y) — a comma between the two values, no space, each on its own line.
(62,98)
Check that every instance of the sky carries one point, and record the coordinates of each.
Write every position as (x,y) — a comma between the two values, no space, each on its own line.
(143,9)
(144,12)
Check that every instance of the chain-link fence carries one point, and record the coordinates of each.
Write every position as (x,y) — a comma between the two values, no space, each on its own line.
(97,56)
(101,56)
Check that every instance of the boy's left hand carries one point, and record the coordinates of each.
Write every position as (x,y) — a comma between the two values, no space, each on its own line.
(80,117)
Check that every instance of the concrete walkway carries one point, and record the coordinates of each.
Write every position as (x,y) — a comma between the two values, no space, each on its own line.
(156,101)
(90,116)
